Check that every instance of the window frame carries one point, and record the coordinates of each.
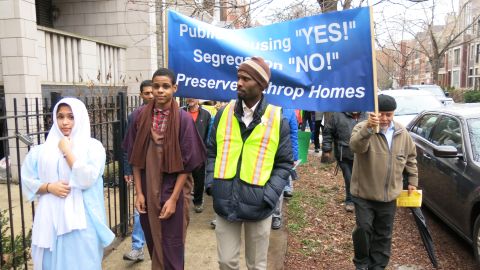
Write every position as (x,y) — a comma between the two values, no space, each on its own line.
(441,131)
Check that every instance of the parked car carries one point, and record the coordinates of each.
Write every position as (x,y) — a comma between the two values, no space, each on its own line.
(448,160)
(411,102)
(434,89)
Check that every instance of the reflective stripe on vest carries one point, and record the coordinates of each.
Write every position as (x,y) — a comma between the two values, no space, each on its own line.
(229,144)
(260,147)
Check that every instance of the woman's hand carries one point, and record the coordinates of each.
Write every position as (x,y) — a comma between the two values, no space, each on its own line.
(140,203)
(65,145)
(60,189)
(168,209)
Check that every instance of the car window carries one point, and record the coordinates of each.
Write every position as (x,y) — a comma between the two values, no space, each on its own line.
(448,132)
(408,105)
(425,125)
(474,130)
(437,91)
(434,89)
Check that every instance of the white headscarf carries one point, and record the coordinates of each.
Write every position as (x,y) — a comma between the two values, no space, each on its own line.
(56,216)
(80,132)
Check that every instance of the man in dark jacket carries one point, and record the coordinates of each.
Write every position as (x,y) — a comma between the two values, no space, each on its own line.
(249,173)
(201,117)
(336,135)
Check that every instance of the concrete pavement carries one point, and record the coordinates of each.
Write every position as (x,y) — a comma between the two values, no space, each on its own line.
(201,248)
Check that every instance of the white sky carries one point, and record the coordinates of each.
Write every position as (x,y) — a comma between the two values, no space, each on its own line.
(384,11)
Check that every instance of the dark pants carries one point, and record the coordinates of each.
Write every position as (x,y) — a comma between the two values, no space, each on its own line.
(307,119)
(198,185)
(372,237)
(346,166)
(316,133)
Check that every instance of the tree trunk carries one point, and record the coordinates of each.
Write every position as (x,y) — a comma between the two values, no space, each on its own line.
(209,5)
(435,67)
(347,4)
(328,5)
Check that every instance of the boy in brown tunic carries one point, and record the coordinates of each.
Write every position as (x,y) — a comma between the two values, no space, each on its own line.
(166,149)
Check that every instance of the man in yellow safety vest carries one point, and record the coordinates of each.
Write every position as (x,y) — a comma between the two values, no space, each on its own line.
(249,162)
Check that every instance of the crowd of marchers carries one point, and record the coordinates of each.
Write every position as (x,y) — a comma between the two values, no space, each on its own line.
(242,153)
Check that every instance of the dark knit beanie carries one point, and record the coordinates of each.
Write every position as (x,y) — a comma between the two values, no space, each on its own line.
(257,69)
(386,103)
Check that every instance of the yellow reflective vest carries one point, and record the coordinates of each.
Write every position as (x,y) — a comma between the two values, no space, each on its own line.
(257,152)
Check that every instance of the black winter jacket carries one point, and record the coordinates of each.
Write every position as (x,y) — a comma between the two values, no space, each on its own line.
(337,132)
(203,123)
(236,200)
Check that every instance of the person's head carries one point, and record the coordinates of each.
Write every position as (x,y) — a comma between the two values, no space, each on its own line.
(192,102)
(253,77)
(386,109)
(146,92)
(164,85)
(70,118)
(65,119)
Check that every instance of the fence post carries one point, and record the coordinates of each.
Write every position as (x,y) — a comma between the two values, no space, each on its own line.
(119,134)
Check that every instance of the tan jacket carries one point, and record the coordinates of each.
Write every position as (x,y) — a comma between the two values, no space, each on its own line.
(377,170)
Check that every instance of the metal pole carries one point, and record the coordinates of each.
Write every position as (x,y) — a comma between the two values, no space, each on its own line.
(119,135)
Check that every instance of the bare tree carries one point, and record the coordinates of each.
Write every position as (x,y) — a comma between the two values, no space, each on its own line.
(332,5)
(294,10)
(428,39)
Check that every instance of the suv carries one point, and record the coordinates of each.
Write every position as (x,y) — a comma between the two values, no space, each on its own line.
(434,89)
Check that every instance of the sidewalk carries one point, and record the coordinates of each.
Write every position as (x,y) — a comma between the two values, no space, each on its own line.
(201,248)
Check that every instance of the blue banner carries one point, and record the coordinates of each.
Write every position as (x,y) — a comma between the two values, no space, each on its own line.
(318,63)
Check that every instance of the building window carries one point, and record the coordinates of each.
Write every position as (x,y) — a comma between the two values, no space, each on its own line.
(456,57)
(478,28)
(456,78)
(477,54)
(470,77)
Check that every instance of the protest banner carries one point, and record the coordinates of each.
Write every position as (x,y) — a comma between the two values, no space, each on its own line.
(318,63)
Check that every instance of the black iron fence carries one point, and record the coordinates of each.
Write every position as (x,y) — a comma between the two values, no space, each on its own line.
(28,126)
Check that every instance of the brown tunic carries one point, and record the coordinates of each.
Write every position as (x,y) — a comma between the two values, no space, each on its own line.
(165,238)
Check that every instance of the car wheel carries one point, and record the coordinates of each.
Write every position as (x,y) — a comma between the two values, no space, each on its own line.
(476,239)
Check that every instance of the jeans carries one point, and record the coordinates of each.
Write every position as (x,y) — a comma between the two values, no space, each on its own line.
(289,186)
(138,238)
(346,166)
(277,213)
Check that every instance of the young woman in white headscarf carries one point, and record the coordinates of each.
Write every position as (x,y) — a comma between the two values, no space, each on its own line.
(65,175)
